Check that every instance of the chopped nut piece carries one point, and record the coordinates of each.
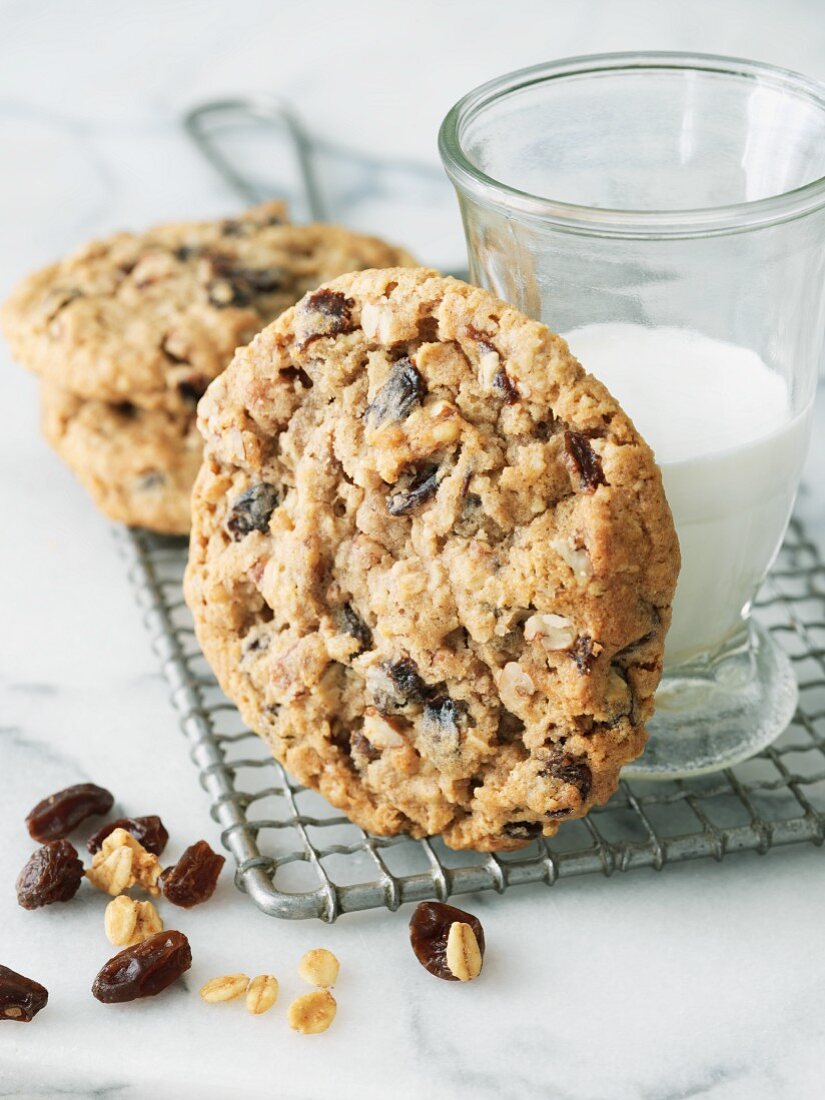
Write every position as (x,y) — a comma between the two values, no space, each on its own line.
(123,862)
(514,685)
(226,988)
(463,952)
(576,557)
(319,967)
(488,367)
(312,1013)
(261,994)
(555,631)
(129,922)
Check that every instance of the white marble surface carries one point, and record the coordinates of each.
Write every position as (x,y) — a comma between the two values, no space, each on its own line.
(706,980)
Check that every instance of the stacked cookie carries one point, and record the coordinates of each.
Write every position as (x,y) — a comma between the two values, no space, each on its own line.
(431,560)
(127,334)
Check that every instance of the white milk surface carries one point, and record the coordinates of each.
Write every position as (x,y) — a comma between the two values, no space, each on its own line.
(731,453)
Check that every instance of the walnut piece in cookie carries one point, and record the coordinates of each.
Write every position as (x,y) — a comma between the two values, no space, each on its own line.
(432,560)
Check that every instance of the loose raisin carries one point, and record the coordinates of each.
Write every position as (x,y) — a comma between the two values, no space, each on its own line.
(403,390)
(148,831)
(194,877)
(20,998)
(143,970)
(423,486)
(52,873)
(252,510)
(61,813)
(584,461)
(429,929)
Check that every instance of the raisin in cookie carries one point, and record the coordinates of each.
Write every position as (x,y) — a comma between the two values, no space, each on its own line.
(151,318)
(138,465)
(432,560)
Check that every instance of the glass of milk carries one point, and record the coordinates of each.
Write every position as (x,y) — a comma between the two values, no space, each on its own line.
(666,213)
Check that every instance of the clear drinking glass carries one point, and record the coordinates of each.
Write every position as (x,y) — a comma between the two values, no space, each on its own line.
(666,213)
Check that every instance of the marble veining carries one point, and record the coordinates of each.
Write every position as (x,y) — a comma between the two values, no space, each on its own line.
(704,981)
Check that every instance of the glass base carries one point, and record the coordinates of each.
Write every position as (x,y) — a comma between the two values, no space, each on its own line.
(714,714)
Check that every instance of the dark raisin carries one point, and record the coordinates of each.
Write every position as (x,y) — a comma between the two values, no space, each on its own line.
(510,727)
(143,970)
(125,409)
(299,373)
(423,486)
(569,769)
(60,813)
(187,252)
(483,339)
(229,285)
(582,652)
(522,830)
(403,390)
(194,877)
(504,387)
(353,624)
(20,998)
(363,746)
(441,724)
(148,831)
(553,815)
(429,929)
(152,479)
(332,313)
(446,713)
(52,873)
(252,510)
(193,388)
(585,462)
(410,688)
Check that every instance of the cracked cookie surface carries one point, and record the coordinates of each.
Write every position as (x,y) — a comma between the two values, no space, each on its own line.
(431,561)
(151,318)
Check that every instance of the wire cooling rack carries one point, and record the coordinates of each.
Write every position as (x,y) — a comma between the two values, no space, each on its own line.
(298,857)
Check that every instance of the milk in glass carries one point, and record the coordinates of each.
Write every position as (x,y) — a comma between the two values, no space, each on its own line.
(721,425)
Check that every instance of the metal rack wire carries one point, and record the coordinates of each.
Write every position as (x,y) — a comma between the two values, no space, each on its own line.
(298,857)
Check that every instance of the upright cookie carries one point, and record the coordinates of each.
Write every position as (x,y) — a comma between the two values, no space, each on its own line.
(151,318)
(431,560)
(138,465)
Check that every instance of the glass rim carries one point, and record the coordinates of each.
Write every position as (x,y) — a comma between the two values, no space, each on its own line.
(604,221)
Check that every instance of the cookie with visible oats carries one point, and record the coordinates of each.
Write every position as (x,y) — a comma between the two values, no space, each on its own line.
(151,318)
(138,465)
(432,560)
